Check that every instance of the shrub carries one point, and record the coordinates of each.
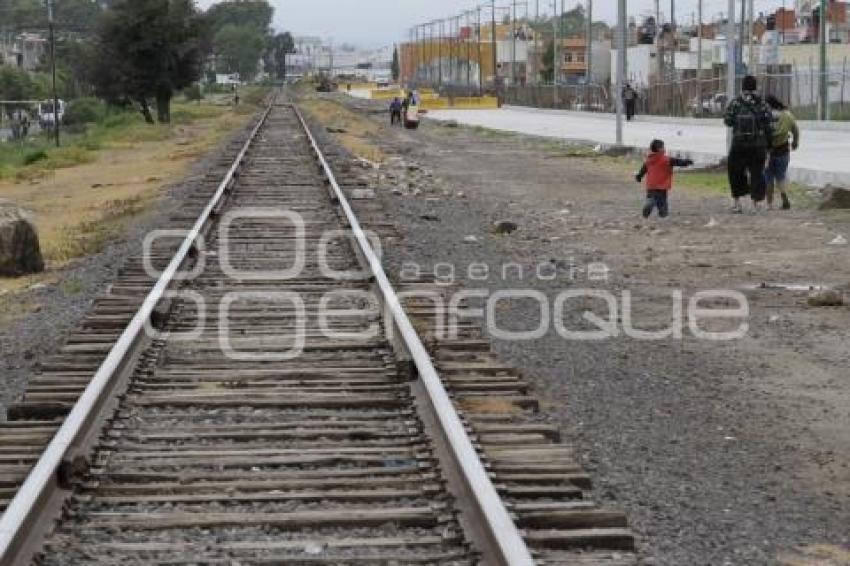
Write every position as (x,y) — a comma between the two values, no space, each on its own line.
(84,111)
(34,156)
(193,93)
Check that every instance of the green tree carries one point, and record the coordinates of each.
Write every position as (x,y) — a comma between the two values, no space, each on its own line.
(282,45)
(16,84)
(239,49)
(69,15)
(256,14)
(17,15)
(76,15)
(149,49)
(395,69)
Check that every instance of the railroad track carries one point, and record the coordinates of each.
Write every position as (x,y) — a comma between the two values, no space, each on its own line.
(212,442)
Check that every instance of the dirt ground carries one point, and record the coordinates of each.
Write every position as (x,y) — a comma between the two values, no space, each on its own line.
(78,210)
(721,452)
(91,218)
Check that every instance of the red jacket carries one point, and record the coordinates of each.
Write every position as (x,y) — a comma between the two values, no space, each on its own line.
(658,169)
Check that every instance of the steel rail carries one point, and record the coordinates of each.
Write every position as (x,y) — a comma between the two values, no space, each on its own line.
(501,528)
(22,510)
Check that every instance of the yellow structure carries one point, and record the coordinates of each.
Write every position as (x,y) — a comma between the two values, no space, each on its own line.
(358,86)
(430,100)
(461,103)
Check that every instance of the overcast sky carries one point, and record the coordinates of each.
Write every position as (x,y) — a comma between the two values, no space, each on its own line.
(379,22)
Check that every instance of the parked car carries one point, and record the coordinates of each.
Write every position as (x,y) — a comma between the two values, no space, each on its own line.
(710,105)
(46,115)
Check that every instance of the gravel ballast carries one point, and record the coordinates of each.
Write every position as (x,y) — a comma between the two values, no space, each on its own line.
(720,452)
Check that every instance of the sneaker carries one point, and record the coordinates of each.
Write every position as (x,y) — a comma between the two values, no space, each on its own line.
(786,204)
(737,208)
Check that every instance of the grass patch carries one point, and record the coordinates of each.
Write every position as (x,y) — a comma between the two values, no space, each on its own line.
(716,181)
(38,156)
(358,132)
(92,234)
(83,195)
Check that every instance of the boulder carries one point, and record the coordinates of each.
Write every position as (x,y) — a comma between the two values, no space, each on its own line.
(505,227)
(827,298)
(835,198)
(20,253)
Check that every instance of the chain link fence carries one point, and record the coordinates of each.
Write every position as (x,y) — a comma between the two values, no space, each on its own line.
(590,98)
(798,87)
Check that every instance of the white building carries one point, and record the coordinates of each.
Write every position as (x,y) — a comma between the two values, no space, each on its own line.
(641,65)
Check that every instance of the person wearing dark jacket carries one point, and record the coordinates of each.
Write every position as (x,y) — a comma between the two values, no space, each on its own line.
(658,170)
(395,111)
(630,97)
(751,121)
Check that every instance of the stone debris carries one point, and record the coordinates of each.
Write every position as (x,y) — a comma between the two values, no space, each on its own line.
(834,198)
(505,227)
(828,298)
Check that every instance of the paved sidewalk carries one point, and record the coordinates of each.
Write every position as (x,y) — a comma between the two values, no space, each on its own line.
(823,158)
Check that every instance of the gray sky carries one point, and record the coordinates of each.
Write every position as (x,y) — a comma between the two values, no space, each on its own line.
(379,22)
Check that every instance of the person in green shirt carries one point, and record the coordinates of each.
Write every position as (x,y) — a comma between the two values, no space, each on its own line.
(786,137)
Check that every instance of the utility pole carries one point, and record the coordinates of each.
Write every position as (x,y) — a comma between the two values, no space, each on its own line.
(621,67)
(480,61)
(588,56)
(415,73)
(536,10)
(52,31)
(468,53)
(434,72)
(750,32)
(675,37)
(657,18)
(743,36)
(493,45)
(823,113)
(513,44)
(440,30)
(699,56)
(555,59)
(731,62)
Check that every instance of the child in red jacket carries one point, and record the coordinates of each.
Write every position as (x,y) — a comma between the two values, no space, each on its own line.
(658,170)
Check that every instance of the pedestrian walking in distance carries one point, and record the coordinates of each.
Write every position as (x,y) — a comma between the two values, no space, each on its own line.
(395,111)
(751,121)
(786,137)
(630,97)
(658,171)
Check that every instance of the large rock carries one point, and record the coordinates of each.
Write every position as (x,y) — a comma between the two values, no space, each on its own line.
(20,253)
(835,198)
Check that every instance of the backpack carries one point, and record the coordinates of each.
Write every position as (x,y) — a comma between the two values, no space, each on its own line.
(747,131)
